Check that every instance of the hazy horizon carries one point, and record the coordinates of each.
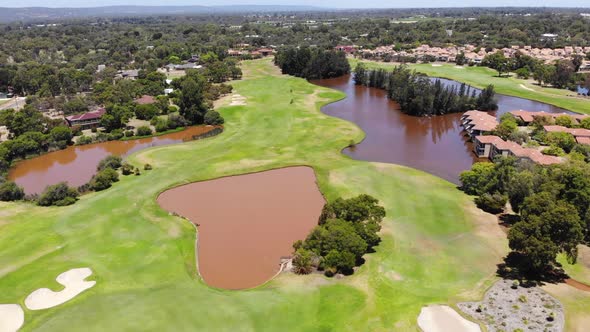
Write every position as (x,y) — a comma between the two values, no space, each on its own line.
(326,4)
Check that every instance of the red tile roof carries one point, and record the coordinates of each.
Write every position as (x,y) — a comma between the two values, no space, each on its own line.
(583,140)
(480,120)
(87,116)
(145,100)
(518,151)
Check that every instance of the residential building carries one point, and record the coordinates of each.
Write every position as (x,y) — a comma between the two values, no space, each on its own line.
(493,146)
(87,120)
(477,123)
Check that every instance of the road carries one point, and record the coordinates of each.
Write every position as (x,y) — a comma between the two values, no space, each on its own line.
(16,103)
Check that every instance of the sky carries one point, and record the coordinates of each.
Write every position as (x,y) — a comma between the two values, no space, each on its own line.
(322,3)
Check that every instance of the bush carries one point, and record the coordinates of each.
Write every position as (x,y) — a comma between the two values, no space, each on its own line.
(116,134)
(83,140)
(342,261)
(553,151)
(58,195)
(491,203)
(104,179)
(144,131)
(563,140)
(161,126)
(113,162)
(302,261)
(129,133)
(94,130)
(146,112)
(61,133)
(147,167)
(213,118)
(10,191)
(137,172)
(176,120)
(126,169)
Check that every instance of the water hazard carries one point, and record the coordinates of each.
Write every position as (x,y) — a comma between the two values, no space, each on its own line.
(432,144)
(247,223)
(77,164)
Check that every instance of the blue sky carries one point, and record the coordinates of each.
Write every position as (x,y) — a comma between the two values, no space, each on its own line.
(323,3)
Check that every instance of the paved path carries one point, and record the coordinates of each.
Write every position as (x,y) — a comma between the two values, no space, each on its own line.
(16,103)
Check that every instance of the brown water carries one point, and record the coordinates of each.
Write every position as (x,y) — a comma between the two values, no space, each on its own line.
(247,223)
(432,144)
(77,164)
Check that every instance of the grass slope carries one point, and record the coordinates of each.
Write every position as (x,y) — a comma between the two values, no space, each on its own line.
(482,76)
(436,247)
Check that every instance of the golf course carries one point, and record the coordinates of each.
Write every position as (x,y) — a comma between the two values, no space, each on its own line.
(437,247)
(480,77)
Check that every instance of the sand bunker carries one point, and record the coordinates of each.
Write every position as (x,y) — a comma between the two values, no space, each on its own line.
(442,318)
(459,67)
(436,65)
(526,87)
(12,317)
(237,100)
(73,281)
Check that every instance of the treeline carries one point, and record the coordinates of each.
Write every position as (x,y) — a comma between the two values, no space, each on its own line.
(419,96)
(312,63)
(563,74)
(348,229)
(552,206)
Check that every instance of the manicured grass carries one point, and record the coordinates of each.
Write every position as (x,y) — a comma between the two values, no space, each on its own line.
(434,249)
(482,76)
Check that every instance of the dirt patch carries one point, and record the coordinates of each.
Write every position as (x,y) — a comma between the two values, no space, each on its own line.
(578,285)
(74,283)
(12,317)
(247,223)
(442,318)
(505,308)
(237,100)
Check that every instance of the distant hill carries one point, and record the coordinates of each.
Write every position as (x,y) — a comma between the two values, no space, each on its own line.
(52,14)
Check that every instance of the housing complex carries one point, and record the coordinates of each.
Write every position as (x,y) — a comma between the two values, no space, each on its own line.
(479,126)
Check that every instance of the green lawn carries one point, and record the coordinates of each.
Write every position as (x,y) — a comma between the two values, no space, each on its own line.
(437,248)
(481,76)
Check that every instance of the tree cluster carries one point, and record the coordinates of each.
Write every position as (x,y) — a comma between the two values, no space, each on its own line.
(552,203)
(312,63)
(348,229)
(418,95)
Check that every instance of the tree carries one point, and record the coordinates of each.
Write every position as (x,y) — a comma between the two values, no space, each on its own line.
(61,133)
(492,203)
(360,74)
(58,195)
(10,191)
(104,179)
(146,112)
(112,162)
(191,101)
(563,140)
(339,261)
(506,127)
(144,131)
(475,181)
(303,261)
(564,120)
(213,118)
(543,74)
(523,73)
(564,71)
(460,59)
(497,61)
(519,188)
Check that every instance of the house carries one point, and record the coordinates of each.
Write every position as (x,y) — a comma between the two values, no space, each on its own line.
(87,120)
(576,132)
(145,100)
(348,49)
(527,117)
(265,51)
(493,146)
(132,74)
(477,123)
(168,91)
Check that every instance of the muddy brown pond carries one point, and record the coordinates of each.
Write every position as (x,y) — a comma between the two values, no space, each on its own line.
(432,144)
(77,164)
(246,223)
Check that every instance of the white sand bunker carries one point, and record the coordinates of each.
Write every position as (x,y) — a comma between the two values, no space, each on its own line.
(73,281)
(459,67)
(442,318)
(237,100)
(12,317)
(436,65)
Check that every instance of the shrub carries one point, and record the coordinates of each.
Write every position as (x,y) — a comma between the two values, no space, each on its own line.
(113,162)
(116,134)
(161,126)
(176,120)
(342,261)
(83,140)
(564,120)
(302,261)
(10,191)
(491,203)
(147,167)
(563,140)
(61,133)
(213,118)
(102,137)
(144,131)
(553,151)
(523,73)
(137,172)
(146,112)
(126,169)
(104,179)
(129,133)
(58,195)
(94,130)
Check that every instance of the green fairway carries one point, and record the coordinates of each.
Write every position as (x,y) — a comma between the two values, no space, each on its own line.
(480,77)
(437,248)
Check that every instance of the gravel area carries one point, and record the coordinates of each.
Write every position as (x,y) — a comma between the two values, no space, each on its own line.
(506,308)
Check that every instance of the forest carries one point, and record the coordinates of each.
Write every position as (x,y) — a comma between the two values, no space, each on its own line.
(312,63)
(418,95)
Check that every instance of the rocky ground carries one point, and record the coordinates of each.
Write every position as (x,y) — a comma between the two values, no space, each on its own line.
(506,308)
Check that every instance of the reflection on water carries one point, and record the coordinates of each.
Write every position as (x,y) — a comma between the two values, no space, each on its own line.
(432,144)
